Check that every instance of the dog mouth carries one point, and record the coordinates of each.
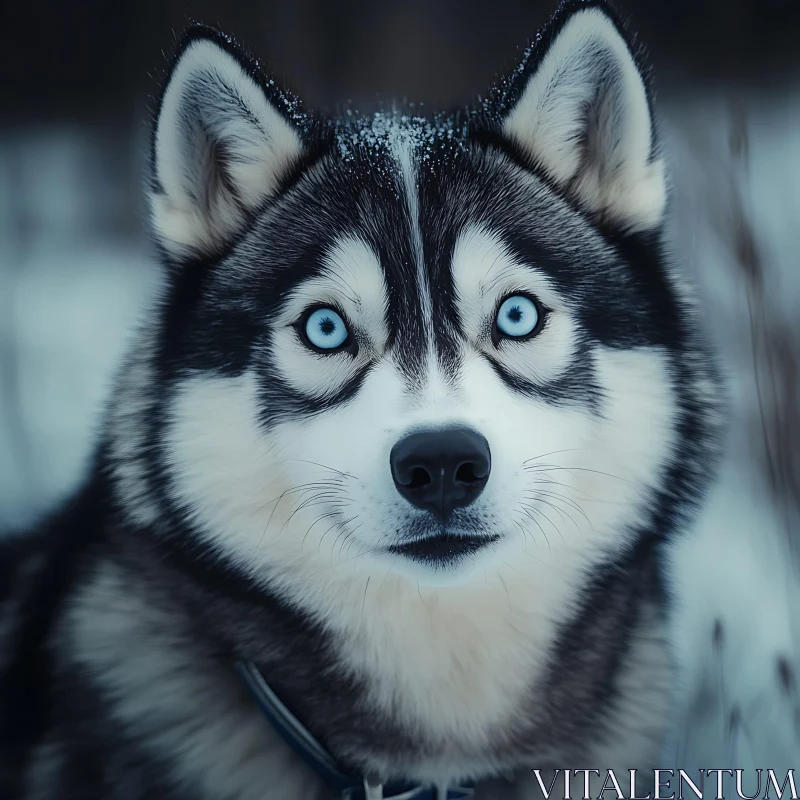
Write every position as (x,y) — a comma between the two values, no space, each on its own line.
(444,549)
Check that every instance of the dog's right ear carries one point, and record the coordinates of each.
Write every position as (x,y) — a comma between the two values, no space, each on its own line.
(222,143)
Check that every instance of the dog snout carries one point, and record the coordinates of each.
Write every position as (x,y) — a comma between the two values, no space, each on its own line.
(441,470)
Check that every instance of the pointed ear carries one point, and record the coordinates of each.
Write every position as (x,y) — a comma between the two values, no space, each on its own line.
(221,146)
(582,113)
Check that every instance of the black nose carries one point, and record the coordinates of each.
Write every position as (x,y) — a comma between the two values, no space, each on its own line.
(441,470)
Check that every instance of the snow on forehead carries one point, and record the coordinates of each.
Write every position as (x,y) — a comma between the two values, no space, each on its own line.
(395,134)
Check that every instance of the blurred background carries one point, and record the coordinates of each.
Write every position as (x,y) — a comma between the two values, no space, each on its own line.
(76,269)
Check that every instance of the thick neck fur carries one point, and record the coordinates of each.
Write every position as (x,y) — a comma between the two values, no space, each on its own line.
(163,643)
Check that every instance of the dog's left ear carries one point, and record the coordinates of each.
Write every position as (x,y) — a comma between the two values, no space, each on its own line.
(223,142)
(582,114)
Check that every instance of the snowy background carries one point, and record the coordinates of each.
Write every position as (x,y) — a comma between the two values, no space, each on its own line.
(76,269)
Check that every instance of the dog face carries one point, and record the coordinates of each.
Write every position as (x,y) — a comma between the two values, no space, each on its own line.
(420,347)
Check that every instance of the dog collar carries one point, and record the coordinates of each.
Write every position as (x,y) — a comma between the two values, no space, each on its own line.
(348,787)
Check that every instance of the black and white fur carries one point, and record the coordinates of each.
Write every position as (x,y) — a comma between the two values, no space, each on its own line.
(241,503)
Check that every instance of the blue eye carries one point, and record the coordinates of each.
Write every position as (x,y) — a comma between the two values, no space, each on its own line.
(325,329)
(518,316)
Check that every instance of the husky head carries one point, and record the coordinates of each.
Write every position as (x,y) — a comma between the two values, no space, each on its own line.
(429,349)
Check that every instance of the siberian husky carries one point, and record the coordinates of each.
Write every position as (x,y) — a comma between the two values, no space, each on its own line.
(397,452)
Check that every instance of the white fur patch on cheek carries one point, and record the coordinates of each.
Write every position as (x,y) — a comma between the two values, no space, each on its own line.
(529,440)
(355,440)
(276,501)
(225,470)
(568,479)
(635,436)
(251,495)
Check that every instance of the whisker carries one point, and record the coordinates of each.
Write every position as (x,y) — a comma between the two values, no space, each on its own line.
(294,489)
(316,499)
(529,512)
(388,572)
(508,596)
(343,531)
(516,569)
(326,515)
(323,466)
(419,592)
(554,526)
(550,467)
(561,514)
(352,536)
(302,488)
(554,496)
(585,496)
(566,450)
(364,601)
(321,538)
